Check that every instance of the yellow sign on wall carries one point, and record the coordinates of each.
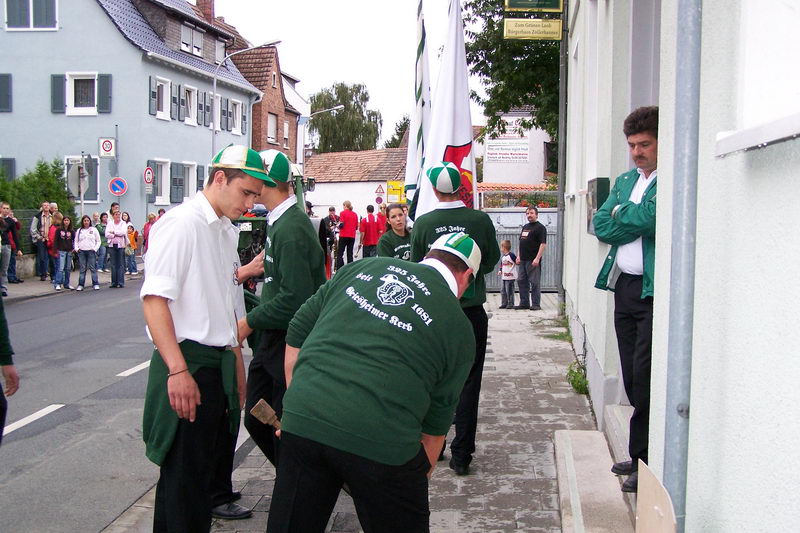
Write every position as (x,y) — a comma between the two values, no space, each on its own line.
(538,29)
(395,192)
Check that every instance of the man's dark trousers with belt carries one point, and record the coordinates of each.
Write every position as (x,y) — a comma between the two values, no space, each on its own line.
(633,322)
(266,380)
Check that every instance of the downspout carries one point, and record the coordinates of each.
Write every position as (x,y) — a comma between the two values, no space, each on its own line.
(562,146)
(682,271)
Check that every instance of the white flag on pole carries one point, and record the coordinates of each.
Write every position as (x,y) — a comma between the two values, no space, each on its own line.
(420,118)
(450,135)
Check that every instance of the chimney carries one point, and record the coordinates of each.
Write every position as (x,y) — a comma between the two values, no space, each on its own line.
(207,7)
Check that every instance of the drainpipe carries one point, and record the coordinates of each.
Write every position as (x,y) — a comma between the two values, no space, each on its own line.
(562,147)
(684,224)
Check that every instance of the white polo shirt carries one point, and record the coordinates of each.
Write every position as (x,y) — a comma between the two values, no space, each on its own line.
(191,261)
(630,258)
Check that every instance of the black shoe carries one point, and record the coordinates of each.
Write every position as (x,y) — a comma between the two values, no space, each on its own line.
(231,511)
(632,483)
(535,308)
(521,307)
(42,278)
(459,468)
(503,307)
(625,468)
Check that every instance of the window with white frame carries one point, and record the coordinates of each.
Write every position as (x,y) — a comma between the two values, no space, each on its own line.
(31,14)
(191,40)
(190,97)
(219,51)
(189,179)
(162,98)
(236,117)
(286,134)
(272,128)
(162,175)
(81,95)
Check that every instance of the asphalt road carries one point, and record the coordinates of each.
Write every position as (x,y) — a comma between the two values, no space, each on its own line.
(78,467)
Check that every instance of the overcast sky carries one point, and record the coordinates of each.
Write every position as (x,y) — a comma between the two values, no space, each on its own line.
(352,41)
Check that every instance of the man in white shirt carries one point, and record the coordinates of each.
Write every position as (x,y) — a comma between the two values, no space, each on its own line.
(627,221)
(191,300)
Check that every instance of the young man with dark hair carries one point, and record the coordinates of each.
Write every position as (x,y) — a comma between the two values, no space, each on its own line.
(375,360)
(532,242)
(192,299)
(452,215)
(627,221)
(369,233)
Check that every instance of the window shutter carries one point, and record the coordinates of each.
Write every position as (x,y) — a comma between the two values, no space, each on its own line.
(201,107)
(104,93)
(181,103)
(201,176)
(58,96)
(223,114)
(176,183)
(230,115)
(173,111)
(244,118)
(18,14)
(151,198)
(153,95)
(207,114)
(5,93)
(44,13)
(8,168)
(91,189)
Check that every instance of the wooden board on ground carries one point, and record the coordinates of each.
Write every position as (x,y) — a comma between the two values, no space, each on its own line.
(654,512)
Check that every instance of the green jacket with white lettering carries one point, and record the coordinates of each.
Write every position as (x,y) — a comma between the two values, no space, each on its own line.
(477,224)
(384,352)
(629,222)
(393,245)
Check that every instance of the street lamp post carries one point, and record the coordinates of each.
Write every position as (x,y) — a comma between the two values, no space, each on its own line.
(329,110)
(214,123)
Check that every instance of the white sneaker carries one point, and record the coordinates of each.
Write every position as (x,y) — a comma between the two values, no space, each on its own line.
(59,287)
(79,288)
(96,287)
(71,288)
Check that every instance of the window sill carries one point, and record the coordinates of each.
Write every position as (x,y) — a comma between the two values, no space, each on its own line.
(163,117)
(191,121)
(31,29)
(782,129)
(81,111)
(160,200)
(236,132)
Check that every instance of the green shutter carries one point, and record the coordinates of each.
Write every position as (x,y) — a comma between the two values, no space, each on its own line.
(153,95)
(201,107)
(201,176)
(230,115)
(176,183)
(223,114)
(5,93)
(58,96)
(181,103)
(173,108)
(244,118)
(8,168)
(151,198)
(207,105)
(104,93)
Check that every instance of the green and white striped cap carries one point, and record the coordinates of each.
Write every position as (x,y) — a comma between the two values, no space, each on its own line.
(242,158)
(463,246)
(445,177)
(276,164)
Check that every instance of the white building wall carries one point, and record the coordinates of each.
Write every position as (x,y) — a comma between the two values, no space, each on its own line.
(360,194)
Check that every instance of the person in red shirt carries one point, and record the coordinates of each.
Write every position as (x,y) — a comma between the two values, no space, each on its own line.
(369,233)
(348,224)
(382,225)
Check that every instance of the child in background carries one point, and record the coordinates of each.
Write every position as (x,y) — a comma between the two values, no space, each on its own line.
(130,250)
(508,273)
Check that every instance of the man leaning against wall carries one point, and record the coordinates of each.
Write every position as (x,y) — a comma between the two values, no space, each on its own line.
(627,221)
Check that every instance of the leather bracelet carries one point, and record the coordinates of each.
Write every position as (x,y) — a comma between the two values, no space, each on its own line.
(176,373)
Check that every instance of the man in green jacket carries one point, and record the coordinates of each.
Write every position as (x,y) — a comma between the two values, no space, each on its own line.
(376,360)
(452,215)
(9,371)
(294,268)
(627,221)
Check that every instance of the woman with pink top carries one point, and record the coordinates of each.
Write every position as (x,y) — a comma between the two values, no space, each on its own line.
(117,236)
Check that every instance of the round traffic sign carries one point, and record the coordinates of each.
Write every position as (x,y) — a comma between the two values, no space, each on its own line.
(117,186)
(148,175)
(107,145)
(379,200)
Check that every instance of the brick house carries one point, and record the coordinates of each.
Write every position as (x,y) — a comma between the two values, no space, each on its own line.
(274,119)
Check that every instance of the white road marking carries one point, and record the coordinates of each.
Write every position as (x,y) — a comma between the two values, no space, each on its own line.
(31,418)
(134,370)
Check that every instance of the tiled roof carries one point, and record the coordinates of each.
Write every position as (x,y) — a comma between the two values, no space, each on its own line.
(186,10)
(511,187)
(239,41)
(256,65)
(368,165)
(136,29)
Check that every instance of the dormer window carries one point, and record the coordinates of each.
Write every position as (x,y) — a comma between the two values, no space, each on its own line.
(191,40)
(219,54)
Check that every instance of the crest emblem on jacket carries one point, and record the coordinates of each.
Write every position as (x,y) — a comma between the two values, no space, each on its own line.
(393,291)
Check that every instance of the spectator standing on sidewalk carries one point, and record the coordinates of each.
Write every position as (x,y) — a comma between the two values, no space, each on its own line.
(368,233)
(102,253)
(508,273)
(117,237)
(16,251)
(87,242)
(151,219)
(452,215)
(396,240)
(64,243)
(52,251)
(383,221)
(10,376)
(126,217)
(372,396)
(40,230)
(532,242)
(8,232)
(130,250)
(348,224)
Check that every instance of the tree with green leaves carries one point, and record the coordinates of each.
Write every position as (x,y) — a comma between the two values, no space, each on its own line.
(399,130)
(514,73)
(45,182)
(352,128)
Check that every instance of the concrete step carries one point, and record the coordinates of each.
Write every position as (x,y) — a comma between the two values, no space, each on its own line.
(590,496)
(617,429)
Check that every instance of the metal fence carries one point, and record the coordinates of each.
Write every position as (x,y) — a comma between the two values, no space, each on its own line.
(551,255)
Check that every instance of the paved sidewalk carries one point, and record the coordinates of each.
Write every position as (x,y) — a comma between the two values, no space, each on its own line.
(512,486)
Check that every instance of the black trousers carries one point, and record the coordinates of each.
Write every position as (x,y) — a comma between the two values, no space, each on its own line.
(3,411)
(266,379)
(221,489)
(633,321)
(466,419)
(345,242)
(388,499)
(182,495)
